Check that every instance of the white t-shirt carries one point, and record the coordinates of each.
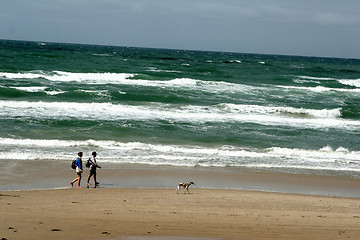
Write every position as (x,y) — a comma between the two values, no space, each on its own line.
(93,165)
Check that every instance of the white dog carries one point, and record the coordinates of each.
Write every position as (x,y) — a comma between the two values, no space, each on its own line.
(184,185)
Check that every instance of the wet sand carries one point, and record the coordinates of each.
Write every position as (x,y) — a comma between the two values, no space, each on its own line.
(30,175)
(148,214)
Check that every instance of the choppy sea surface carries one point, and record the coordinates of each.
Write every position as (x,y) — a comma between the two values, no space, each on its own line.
(288,114)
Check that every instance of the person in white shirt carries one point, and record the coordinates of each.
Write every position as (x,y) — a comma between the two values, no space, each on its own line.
(92,169)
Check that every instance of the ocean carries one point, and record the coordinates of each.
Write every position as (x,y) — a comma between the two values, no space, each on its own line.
(162,107)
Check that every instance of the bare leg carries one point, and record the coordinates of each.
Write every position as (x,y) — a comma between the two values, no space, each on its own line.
(72,182)
(96,183)
(88,181)
(79,180)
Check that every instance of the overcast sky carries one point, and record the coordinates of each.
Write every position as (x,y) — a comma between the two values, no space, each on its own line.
(291,27)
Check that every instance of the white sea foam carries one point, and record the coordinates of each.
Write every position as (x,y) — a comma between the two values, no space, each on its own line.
(306,81)
(182,155)
(267,115)
(126,79)
(184,83)
(351,82)
(26,75)
(54,92)
(321,89)
(31,89)
(102,54)
(316,78)
(265,110)
(90,78)
(153,69)
(61,76)
(38,89)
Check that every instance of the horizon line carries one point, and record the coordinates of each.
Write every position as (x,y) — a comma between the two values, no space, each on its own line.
(179,49)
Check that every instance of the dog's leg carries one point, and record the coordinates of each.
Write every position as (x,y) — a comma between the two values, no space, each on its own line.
(177,190)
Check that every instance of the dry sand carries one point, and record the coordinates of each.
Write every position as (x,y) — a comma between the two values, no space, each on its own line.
(147,213)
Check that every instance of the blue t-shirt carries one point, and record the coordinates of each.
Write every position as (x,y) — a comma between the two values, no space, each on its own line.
(79,163)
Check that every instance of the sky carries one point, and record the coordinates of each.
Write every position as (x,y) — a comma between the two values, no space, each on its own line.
(325,28)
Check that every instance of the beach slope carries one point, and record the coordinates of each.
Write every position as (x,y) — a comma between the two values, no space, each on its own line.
(161,213)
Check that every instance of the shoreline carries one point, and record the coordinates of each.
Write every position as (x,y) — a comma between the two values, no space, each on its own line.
(161,214)
(57,175)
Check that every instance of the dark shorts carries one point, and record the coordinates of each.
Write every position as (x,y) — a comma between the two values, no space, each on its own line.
(92,173)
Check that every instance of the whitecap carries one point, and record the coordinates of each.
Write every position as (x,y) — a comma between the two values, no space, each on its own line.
(226,113)
(183,155)
(102,54)
(351,82)
(316,78)
(321,89)
(31,89)
(61,76)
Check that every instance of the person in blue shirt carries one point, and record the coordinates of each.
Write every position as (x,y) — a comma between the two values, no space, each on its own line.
(79,170)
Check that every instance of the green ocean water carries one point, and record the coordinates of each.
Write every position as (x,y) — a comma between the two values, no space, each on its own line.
(179,108)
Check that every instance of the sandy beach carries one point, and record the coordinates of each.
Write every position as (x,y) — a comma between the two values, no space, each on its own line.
(149,213)
(137,203)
